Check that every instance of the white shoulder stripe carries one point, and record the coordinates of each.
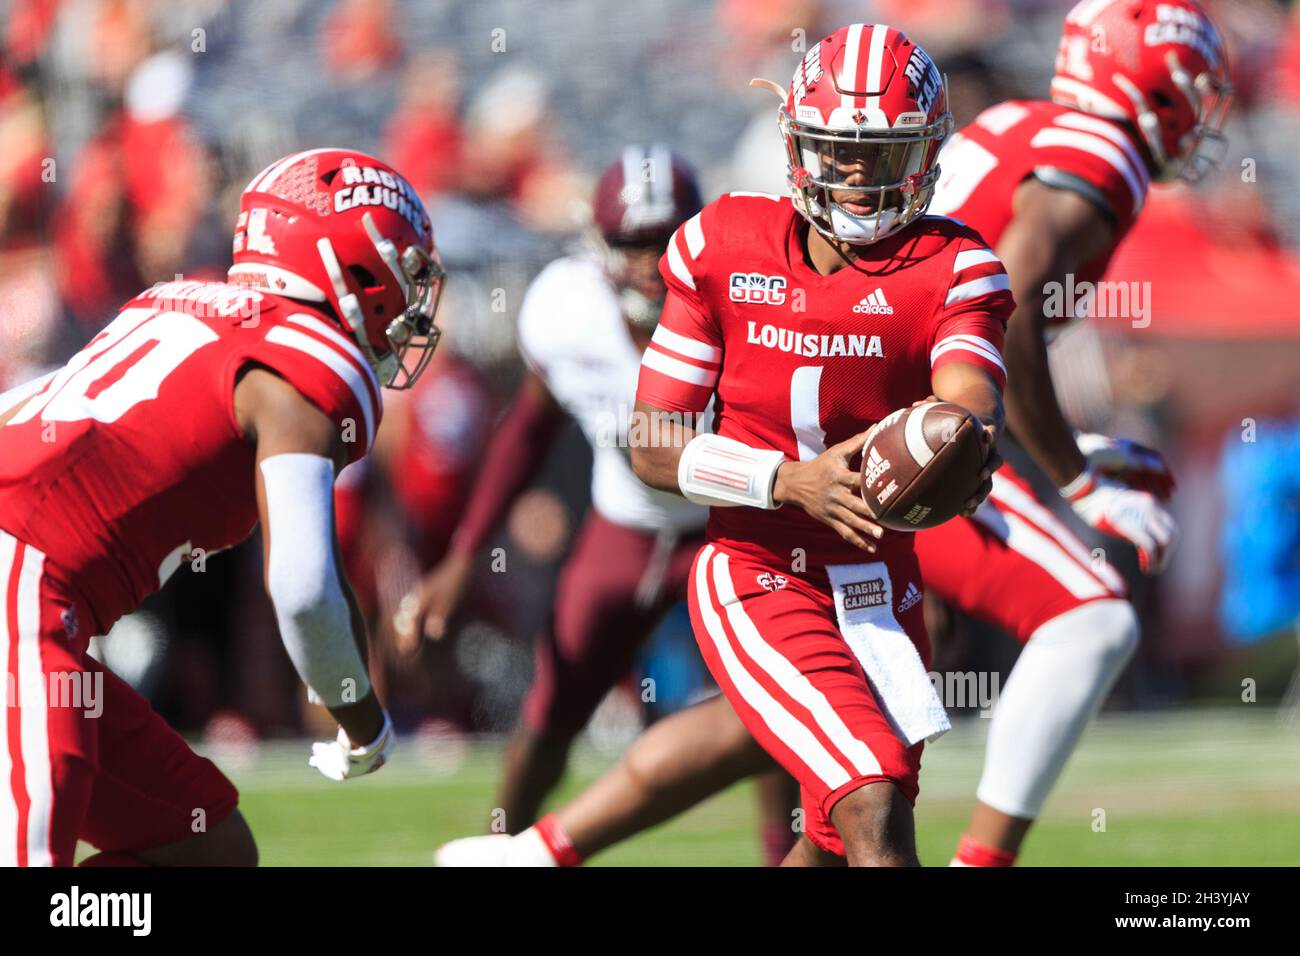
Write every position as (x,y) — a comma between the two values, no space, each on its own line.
(978,287)
(973,257)
(675,368)
(325,330)
(694,232)
(1107,130)
(1088,143)
(293,339)
(678,265)
(691,348)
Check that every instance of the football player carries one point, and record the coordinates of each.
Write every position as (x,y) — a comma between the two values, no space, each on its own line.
(808,321)
(202,409)
(1140,95)
(583,326)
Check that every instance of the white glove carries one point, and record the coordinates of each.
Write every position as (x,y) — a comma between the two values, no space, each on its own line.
(1127,461)
(339,760)
(1136,516)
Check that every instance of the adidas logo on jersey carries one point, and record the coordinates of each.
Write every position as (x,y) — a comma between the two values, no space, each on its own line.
(874,304)
(911,597)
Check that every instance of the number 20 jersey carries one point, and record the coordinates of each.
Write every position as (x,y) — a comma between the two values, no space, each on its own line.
(130,461)
(801,361)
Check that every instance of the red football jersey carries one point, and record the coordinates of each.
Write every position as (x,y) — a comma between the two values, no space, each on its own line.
(986,161)
(130,458)
(801,361)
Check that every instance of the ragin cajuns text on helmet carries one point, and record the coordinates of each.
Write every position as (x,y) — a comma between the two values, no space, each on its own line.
(343,228)
(640,200)
(863,121)
(1160,66)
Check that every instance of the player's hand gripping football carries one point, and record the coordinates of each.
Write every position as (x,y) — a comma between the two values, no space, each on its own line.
(1135,516)
(992,461)
(340,759)
(827,488)
(425,610)
(1127,462)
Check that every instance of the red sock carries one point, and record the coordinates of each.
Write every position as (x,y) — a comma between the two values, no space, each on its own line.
(973,853)
(557,841)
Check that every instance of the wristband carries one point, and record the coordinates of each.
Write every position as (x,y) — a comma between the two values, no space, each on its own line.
(1080,487)
(723,473)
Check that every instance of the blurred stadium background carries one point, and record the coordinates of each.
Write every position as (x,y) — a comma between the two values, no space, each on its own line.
(128,127)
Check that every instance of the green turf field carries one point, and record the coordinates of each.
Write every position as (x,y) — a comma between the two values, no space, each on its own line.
(1194,788)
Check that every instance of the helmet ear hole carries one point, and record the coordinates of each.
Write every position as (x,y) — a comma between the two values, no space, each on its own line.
(363,277)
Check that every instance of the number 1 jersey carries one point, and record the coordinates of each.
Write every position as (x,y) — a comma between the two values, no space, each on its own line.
(801,361)
(129,460)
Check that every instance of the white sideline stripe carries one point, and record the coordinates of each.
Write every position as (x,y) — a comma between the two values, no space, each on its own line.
(293,339)
(1088,143)
(1101,127)
(789,677)
(8,805)
(1008,496)
(678,265)
(789,729)
(676,368)
(969,258)
(338,338)
(914,436)
(691,348)
(694,233)
(978,287)
(35,713)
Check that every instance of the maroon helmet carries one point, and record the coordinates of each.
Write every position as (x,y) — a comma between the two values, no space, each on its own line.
(640,200)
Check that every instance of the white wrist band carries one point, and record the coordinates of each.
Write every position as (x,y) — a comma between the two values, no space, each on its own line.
(1080,484)
(723,473)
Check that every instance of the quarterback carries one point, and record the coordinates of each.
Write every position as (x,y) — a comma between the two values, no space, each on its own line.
(202,409)
(1055,185)
(805,323)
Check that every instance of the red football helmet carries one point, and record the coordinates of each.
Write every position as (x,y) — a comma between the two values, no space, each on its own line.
(343,228)
(641,198)
(865,117)
(1159,66)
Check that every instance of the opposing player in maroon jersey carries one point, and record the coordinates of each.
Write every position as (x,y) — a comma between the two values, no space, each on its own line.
(1140,94)
(201,409)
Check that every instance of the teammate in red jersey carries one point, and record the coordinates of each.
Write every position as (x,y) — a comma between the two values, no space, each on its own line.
(1055,186)
(1140,92)
(200,410)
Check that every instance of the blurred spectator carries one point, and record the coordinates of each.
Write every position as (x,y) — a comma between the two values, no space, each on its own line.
(359,40)
(423,137)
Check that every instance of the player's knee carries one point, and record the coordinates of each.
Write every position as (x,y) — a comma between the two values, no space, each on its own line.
(1113,626)
(875,824)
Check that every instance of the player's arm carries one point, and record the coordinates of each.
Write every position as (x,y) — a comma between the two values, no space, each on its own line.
(299,450)
(1053,233)
(678,374)
(974,388)
(520,442)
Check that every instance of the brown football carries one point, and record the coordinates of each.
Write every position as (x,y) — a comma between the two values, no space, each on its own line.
(920,465)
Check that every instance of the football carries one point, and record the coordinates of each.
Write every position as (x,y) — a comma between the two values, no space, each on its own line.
(920,465)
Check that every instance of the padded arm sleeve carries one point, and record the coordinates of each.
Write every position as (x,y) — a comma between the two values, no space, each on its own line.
(303,580)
